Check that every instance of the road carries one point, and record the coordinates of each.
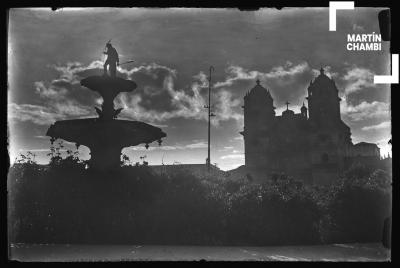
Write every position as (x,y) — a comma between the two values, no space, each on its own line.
(66,253)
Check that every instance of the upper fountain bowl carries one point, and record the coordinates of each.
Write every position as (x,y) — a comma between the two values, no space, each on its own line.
(106,85)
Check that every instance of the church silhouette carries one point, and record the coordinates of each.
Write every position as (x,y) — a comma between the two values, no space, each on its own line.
(314,145)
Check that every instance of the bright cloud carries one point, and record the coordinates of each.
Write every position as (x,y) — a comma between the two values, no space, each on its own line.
(358,78)
(191,146)
(382,125)
(365,110)
(233,156)
(281,73)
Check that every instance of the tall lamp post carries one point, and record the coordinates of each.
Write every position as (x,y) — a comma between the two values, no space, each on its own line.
(208,161)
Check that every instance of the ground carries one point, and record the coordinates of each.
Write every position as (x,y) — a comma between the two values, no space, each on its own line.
(335,252)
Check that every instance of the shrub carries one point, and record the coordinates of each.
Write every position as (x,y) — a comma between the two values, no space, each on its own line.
(275,213)
(65,202)
(359,204)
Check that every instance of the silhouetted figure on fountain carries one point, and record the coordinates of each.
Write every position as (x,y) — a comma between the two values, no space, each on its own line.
(112,60)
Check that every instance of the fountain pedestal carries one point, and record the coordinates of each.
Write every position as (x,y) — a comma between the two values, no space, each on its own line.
(105,156)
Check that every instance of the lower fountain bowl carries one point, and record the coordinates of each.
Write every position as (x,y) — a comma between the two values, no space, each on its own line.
(105,138)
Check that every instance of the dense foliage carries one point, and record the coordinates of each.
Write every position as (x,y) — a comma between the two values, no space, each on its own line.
(66,202)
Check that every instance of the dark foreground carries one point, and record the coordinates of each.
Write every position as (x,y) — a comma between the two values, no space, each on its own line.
(65,253)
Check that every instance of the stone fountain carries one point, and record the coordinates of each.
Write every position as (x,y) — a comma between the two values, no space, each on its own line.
(106,135)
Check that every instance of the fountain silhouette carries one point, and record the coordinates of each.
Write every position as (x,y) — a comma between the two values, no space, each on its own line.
(106,135)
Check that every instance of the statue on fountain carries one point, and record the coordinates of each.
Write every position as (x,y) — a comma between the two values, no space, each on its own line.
(112,60)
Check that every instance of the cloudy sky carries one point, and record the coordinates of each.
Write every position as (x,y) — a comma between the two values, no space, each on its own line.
(51,51)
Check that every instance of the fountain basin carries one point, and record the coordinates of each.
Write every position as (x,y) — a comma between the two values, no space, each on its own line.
(105,138)
(91,131)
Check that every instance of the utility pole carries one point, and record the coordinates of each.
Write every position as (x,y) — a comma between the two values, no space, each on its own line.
(208,161)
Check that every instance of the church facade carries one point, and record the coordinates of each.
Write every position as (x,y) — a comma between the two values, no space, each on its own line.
(314,145)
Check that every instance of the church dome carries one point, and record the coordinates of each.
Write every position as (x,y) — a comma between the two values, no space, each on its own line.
(322,84)
(287,113)
(322,77)
(259,91)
